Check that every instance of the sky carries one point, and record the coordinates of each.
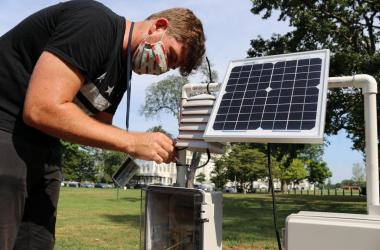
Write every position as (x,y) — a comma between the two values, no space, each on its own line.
(229,26)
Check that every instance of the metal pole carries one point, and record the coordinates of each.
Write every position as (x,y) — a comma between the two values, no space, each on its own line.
(181,170)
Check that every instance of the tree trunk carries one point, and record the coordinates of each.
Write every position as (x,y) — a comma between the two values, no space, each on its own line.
(190,178)
(284,186)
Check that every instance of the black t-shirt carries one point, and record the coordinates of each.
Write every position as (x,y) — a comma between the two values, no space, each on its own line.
(83,33)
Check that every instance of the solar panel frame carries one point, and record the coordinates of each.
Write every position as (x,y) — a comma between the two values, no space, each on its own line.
(260,87)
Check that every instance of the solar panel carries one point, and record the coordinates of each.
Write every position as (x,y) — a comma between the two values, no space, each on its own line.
(278,98)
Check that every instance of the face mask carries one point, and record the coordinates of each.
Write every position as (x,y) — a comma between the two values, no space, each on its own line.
(150,58)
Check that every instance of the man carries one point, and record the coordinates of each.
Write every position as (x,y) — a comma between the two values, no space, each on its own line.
(63,72)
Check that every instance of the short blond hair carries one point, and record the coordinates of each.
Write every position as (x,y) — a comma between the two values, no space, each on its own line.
(186,28)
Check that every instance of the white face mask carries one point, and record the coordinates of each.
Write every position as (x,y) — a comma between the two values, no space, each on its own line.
(150,58)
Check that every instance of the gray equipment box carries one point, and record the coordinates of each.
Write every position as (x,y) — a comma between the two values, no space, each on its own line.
(181,219)
(332,231)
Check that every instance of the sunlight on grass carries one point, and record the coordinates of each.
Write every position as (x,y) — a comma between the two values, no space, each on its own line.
(95,219)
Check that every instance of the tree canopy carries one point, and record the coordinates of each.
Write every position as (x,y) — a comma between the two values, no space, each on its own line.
(200,178)
(77,163)
(219,175)
(358,173)
(241,163)
(83,163)
(164,96)
(160,129)
(349,28)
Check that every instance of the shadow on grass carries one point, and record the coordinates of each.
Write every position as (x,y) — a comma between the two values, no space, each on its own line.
(131,199)
(132,220)
(249,218)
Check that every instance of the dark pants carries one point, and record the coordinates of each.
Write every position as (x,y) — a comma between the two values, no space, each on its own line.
(30,178)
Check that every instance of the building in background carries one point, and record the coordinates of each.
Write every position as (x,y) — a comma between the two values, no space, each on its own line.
(151,173)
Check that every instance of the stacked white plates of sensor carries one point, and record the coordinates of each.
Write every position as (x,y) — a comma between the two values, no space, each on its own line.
(194,117)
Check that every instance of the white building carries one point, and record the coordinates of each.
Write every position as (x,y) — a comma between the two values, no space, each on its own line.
(153,173)
(166,174)
(264,184)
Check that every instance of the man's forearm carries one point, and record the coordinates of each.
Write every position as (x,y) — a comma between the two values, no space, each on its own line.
(67,121)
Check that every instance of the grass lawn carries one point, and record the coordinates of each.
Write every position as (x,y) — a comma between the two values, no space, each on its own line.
(95,219)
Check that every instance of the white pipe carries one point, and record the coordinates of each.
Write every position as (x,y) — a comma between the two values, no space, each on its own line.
(365,82)
(190,88)
(368,85)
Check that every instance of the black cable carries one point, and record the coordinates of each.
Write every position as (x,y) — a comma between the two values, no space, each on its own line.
(208,159)
(129,76)
(274,211)
(201,166)
(210,75)
(179,149)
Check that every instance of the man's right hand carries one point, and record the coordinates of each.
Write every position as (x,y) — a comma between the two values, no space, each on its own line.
(152,146)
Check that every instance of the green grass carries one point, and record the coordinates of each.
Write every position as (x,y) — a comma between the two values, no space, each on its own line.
(95,219)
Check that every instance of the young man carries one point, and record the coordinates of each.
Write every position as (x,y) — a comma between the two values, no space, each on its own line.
(63,72)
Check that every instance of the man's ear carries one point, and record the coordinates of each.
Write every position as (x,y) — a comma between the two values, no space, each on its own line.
(161,23)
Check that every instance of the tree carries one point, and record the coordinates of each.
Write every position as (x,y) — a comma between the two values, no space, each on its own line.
(110,162)
(312,152)
(77,163)
(294,173)
(318,172)
(160,129)
(350,29)
(219,175)
(164,96)
(358,174)
(243,164)
(302,161)
(317,169)
(201,177)
(347,183)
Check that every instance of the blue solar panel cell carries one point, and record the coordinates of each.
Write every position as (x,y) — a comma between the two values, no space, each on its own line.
(247,68)
(314,61)
(303,62)
(236,69)
(307,125)
(218,125)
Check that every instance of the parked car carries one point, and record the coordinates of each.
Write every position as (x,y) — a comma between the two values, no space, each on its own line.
(230,190)
(87,185)
(205,187)
(130,185)
(138,186)
(73,184)
(103,185)
(100,185)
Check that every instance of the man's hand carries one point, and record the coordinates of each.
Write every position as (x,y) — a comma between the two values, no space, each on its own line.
(152,146)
